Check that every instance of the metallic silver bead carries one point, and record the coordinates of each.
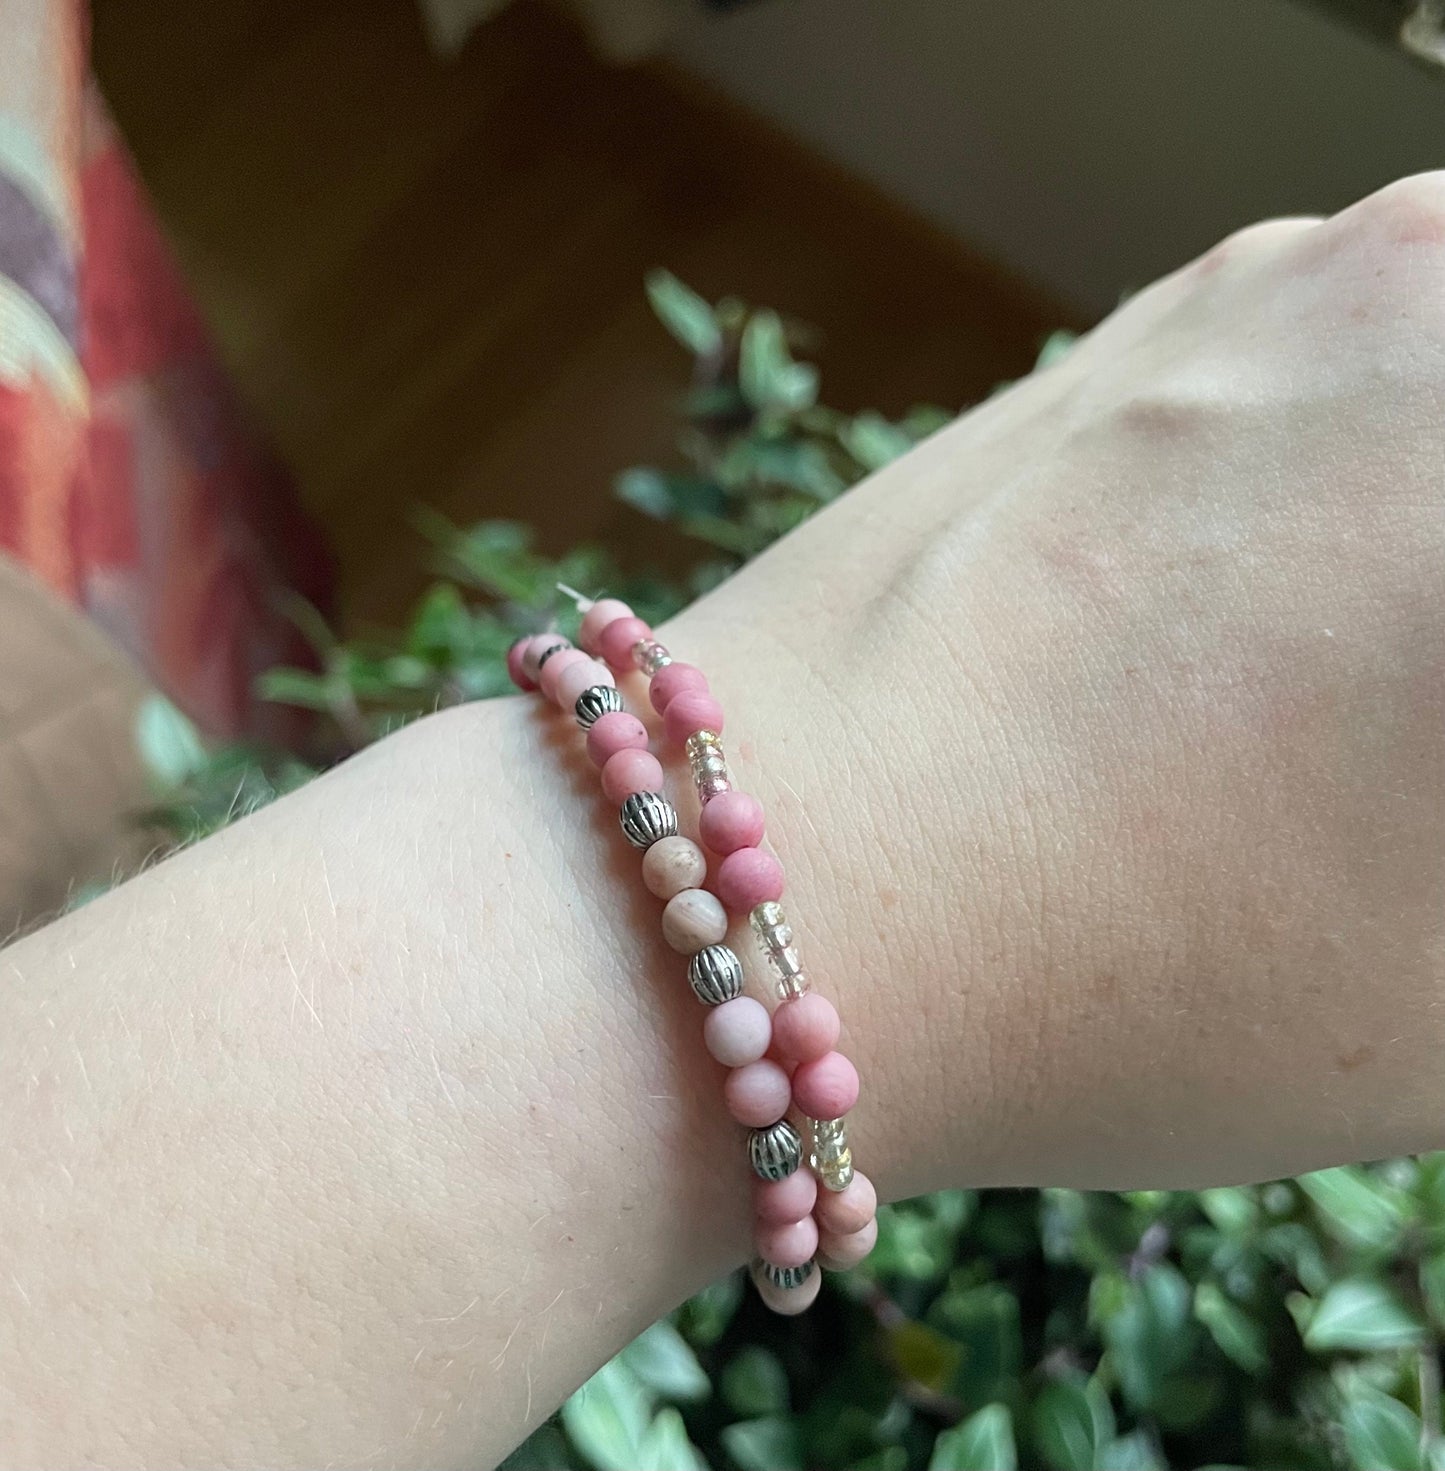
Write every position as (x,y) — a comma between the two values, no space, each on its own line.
(708,765)
(786,1277)
(715,975)
(650,656)
(592,704)
(831,1158)
(646,818)
(701,741)
(775,941)
(775,1152)
(556,648)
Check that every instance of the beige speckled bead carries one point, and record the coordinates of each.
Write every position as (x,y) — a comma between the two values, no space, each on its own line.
(693,919)
(672,865)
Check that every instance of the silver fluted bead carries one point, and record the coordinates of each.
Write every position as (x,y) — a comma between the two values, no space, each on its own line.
(715,974)
(646,818)
(786,1277)
(592,704)
(553,648)
(650,656)
(775,1152)
(831,1158)
(775,941)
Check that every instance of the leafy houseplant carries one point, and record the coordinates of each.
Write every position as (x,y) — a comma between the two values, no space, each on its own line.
(1295,1324)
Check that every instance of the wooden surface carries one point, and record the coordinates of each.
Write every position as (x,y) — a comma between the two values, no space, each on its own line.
(427,276)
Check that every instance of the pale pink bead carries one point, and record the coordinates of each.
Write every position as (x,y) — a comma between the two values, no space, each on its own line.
(597,617)
(827,1087)
(616,640)
(616,731)
(788,1302)
(738,1031)
(671,865)
(631,771)
(748,878)
(839,1253)
(730,821)
(578,677)
(673,679)
(533,650)
(692,920)
(556,667)
(757,1094)
(689,711)
(847,1210)
(515,672)
(806,1027)
(786,1243)
(779,1201)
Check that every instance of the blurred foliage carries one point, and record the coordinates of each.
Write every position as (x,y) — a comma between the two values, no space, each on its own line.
(1295,1324)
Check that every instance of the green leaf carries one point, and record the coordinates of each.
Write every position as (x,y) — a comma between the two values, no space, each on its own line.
(1070,1422)
(1147,1332)
(984,1442)
(705,1316)
(1233,1209)
(768,1444)
(873,441)
(755,1382)
(766,371)
(545,1449)
(609,1417)
(1239,1337)
(665,1447)
(1135,1452)
(662,1360)
(1360,1313)
(1056,345)
(1380,1433)
(1355,1207)
(169,745)
(684,313)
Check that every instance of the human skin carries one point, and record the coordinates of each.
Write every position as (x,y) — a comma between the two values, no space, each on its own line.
(1102,738)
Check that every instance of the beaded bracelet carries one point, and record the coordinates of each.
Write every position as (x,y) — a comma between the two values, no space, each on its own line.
(777,1064)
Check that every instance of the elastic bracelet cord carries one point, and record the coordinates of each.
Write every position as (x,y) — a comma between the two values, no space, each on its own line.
(778,1065)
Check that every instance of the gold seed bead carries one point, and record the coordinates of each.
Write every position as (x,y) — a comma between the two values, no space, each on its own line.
(708,765)
(831,1158)
(650,656)
(775,940)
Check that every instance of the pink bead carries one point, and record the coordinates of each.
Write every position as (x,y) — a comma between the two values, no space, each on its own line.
(631,771)
(616,640)
(555,667)
(693,920)
(730,821)
(738,1031)
(806,1028)
(515,672)
(748,878)
(827,1087)
(838,1253)
(616,731)
(847,1210)
(689,711)
(779,1201)
(673,864)
(788,1302)
(533,650)
(757,1094)
(786,1243)
(597,617)
(578,677)
(674,679)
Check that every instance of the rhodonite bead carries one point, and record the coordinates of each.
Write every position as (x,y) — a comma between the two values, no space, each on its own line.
(731,820)
(574,680)
(748,878)
(715,975)
(515,671)
(850,1209)
(673,680)
(672,865)
(617,640)
(757,1093)
(827,1087)
(787,1302)
(597,617)
(691,711)
(806,1027)
(693,920)
(738,1031)
(647,818)
(786,1243)
(614,732)
(777,1201)
(775,1152)
(839,1253)
(554,668)
(631,771)
(535,647)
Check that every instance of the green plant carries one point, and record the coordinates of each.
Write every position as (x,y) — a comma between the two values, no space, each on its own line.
(1295,1324)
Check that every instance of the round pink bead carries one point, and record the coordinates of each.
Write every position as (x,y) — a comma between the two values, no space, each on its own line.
(757,1094)
(780,1201)
(615,642)
(730,821)
(748,878)
(786,1243)
(533,650)
(616,731)
(692,920)
(827,1087)
(674,679)
(788,1302)
(738,1032)
(689,711)
(556,667)
(839,1253)
(578,677)
(806,1027)
(597,617)
(631,771)
(673,864)
(848,1210)
(515,672)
